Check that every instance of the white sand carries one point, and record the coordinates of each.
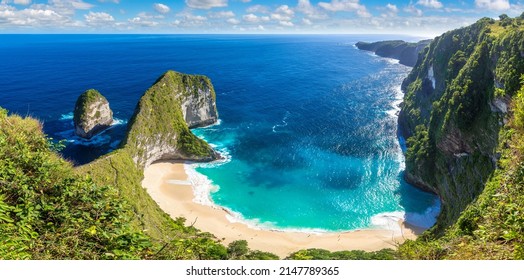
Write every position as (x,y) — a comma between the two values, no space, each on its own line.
(168,185)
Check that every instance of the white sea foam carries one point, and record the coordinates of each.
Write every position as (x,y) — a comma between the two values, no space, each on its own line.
(68,116)
(235,217)
(284,122)
(399,97)
(98,140)
(218,122)
(202,186)
(390,220)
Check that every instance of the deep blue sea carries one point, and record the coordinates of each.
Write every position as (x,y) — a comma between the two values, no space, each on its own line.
(308,124)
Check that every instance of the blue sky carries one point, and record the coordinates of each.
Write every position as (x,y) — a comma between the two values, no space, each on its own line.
(417,17)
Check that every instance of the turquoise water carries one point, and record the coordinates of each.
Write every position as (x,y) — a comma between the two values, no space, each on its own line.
(308,123)
(314,146)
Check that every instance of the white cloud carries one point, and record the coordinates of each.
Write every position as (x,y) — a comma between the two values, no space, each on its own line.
(96,19)
(22,2)
(63,7)
(283,13)
(113,1)
(345,6)
(284,9)
(305,7)
(206,4)
(499,5)
(413,10)
(257,9)
(36,18)
(143,22)
(307,21)
(286,23)
(392,8)
(222,14)
(252,18)
(233,21)
(161,8)
(435,4)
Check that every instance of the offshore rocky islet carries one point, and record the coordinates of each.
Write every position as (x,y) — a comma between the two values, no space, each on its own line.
(92,114)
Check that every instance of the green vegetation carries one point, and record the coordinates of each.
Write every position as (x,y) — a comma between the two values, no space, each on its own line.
(159,122)
(464,146)
(49,210)
(320,254)
(453,129)
(492,227)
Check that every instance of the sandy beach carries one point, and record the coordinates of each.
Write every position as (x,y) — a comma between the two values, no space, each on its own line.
(169,186)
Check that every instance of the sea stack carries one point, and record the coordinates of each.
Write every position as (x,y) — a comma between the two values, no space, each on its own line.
(92,114)
(160,126)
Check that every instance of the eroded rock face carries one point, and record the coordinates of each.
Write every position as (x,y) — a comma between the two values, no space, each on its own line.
(92,114)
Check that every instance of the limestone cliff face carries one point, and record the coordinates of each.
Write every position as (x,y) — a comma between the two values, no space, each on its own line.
(200,109)
(456,98)
(160,126)
(92,114)
(406,53)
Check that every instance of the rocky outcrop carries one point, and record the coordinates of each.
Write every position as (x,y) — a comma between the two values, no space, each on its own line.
(406,53)
(92,114)
(456,100)
(159,128)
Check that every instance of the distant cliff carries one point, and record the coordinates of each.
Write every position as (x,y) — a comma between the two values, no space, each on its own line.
(406,53)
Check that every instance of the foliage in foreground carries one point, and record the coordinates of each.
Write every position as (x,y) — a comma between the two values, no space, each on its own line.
(50,211)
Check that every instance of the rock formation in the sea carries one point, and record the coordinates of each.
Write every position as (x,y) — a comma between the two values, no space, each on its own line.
(456,101)
(159,128)
(406,53)
(92,114)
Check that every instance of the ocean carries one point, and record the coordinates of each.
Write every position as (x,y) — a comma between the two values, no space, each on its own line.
(308,123)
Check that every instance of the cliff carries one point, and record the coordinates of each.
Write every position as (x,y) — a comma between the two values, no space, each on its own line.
(406,53)
(159,128)
(92,114)
(456,102)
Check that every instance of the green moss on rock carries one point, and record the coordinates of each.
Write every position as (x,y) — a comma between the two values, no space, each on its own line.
(92,114)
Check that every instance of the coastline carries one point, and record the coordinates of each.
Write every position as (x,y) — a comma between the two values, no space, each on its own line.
(168,184)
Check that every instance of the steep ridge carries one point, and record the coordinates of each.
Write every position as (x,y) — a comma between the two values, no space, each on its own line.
(158,131)
(159,128)
(456,101)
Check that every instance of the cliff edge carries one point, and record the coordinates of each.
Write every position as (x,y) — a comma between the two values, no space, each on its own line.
(406,53)
(456,101)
